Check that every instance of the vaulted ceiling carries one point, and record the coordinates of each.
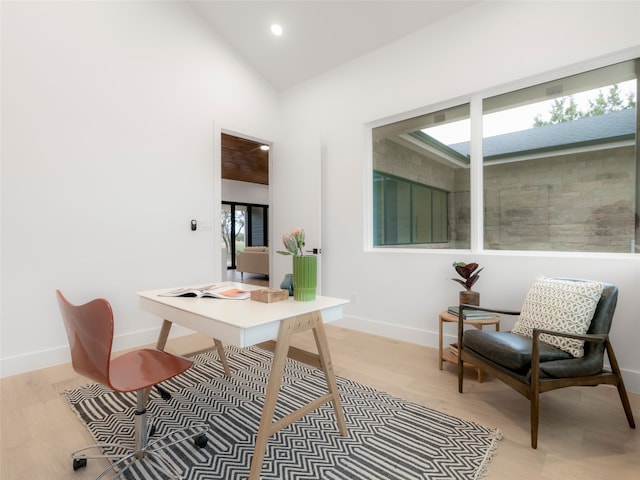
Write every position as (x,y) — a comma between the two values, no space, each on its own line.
(318,36)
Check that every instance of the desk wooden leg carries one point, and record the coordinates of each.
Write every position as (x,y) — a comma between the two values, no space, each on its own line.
(222,356)
(160,344)
(329,375)
(163,335)
(440,342)
(273,388)
(268,427)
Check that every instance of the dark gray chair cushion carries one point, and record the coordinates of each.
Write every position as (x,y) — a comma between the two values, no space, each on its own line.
(576,367)
(510,350)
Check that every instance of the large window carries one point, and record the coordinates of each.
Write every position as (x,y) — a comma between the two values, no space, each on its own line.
(421,181)
(559,166)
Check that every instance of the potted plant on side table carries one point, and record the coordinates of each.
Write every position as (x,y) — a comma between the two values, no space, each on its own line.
(470,275)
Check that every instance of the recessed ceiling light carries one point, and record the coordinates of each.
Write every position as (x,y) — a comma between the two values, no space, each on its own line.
(264,148)
(276,29)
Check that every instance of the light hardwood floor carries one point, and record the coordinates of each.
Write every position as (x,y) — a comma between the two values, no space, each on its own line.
(583,431)
(251,278)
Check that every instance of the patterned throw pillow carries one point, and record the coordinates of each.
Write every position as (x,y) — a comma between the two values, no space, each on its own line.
(559,305)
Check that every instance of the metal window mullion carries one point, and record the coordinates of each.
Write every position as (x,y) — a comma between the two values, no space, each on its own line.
(476,176)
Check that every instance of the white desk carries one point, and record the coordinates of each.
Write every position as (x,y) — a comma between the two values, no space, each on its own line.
(246,322)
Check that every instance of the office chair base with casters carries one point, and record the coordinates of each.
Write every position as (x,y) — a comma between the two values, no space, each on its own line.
(90,332)
(144,447)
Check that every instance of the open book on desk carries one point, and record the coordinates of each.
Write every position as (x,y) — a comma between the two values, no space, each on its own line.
(213,291)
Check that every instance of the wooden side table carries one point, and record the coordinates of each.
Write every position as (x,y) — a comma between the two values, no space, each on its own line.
(479,323)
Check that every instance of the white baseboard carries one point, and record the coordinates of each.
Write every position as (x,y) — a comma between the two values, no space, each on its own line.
(49,358)
(631,380)
(430,339)
(57,356)
(384,329)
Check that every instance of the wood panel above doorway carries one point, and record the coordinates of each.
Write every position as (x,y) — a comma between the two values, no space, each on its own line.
(243,160)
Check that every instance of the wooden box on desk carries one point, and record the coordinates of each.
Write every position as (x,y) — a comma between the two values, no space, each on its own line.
(269,295)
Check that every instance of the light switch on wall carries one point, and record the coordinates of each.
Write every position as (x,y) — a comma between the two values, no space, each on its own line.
(205,226)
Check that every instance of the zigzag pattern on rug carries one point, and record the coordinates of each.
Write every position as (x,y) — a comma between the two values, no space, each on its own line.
(389,438)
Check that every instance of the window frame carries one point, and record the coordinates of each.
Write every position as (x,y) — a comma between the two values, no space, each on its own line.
(475,101)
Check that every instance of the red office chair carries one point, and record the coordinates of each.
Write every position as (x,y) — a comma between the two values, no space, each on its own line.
(90,333)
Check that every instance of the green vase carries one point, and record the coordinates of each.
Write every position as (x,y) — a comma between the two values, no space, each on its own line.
(305,277)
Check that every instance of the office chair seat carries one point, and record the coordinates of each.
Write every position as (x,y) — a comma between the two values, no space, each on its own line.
(144,368)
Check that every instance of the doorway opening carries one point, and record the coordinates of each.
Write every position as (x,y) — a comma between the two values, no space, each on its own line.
(243,225)
(245,197)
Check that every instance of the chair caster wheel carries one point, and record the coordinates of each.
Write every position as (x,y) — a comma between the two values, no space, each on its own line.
(79,463)
(164,394)
(201,440)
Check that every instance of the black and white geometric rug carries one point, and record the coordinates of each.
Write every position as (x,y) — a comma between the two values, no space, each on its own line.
(389,438)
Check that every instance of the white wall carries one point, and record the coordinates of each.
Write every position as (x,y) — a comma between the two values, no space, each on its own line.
(108,117)
(245,192)
(399,294)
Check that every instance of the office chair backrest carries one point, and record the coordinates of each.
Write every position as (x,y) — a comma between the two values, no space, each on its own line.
(90,333)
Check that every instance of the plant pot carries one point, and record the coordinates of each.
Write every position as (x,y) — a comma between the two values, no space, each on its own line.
(287,283)
(305,277)
(470,297)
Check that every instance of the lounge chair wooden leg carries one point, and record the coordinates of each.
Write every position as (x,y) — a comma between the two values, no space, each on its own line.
(622,391)
(535,416)
(460,349)
(625,403)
